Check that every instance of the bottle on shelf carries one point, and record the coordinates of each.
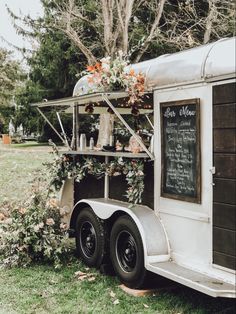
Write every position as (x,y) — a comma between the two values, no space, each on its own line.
(91,143)
(82,141)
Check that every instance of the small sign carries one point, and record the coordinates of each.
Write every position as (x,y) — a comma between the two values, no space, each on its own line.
(181,168)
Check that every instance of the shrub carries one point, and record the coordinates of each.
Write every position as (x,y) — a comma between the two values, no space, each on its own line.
(34,233)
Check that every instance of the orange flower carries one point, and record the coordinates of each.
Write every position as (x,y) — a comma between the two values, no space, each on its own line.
(98,66)
(90,68)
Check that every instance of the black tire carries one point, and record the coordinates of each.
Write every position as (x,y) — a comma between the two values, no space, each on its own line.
(91,238)
(127,256)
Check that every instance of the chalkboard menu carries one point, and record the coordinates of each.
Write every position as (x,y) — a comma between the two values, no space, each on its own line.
(180,127)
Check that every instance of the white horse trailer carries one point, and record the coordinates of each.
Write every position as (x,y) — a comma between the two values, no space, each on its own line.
(185,228)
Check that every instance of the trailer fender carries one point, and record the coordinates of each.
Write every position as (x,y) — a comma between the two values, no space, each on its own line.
(67,200)
(154,238)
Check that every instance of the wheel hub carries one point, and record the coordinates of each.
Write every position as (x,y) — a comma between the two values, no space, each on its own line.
(88,240)
(126,251)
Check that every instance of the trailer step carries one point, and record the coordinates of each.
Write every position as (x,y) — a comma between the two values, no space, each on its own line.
(193,279)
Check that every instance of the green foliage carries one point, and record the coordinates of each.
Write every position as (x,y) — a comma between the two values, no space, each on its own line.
(34,233)
(6,113)
(64,167)
(11,76)
(11,81)
(54,65)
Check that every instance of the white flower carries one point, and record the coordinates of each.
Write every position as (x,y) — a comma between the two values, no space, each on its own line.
(106,60)
(41,225)
(36,228)
(140,173)
(105,67)
(8,221)
(130,174)
(115,174)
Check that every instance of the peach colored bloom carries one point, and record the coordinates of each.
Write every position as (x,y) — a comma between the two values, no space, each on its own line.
(22,210)
(63,226)
(50,222)
(53,202)
(131,72)
(2,217)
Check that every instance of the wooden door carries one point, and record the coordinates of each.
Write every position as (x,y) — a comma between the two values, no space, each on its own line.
(224,190)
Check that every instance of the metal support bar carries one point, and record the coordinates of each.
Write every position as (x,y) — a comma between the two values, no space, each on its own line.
(63,131)
(106,181)
(58,134)
(128,127)
(77,127)
(150,122)
(73,141)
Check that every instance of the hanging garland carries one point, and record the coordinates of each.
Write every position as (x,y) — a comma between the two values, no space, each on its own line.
(63,167)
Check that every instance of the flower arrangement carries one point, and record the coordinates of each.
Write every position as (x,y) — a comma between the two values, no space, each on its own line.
(63,167)
(110,75)
(34,233)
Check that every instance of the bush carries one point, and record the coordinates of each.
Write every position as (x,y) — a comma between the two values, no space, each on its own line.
(34,233)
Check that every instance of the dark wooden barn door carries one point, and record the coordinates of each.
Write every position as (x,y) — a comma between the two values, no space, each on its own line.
(224,190)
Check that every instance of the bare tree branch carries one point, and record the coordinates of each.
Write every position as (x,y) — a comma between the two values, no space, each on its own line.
(209,21)
(153,30)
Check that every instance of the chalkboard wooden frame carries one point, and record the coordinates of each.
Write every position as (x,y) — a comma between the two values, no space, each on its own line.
(197,197)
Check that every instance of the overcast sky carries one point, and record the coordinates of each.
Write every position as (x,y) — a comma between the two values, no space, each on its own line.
(32,7)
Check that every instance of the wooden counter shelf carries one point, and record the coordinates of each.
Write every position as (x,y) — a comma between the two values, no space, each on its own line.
(106,154)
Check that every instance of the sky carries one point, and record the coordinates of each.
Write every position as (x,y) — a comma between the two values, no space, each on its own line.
(32,7)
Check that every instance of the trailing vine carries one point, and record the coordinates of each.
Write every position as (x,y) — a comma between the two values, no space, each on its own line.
(64,167)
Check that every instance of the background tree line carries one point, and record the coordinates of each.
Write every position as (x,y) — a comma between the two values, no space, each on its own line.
(74,33)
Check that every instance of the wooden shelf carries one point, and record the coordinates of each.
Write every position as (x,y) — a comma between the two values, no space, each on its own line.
(102,153)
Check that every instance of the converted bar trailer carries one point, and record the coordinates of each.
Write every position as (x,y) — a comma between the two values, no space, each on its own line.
(184,229)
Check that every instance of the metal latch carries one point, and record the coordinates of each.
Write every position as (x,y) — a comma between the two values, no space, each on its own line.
(213,170)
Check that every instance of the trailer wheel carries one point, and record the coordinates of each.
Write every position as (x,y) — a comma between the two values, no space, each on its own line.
(127,255)
(91,239)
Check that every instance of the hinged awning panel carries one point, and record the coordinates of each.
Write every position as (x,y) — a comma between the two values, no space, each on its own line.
(81,100)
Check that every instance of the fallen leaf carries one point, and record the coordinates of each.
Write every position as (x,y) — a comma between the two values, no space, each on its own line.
(82,277)
(116,302)
(146,306)
(79,273)
(91,274)
(52,282)
(112,294)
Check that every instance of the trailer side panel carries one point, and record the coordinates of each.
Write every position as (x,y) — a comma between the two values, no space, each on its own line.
(224,154)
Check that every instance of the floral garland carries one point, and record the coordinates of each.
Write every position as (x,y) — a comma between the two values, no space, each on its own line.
(63,167)
(110,75)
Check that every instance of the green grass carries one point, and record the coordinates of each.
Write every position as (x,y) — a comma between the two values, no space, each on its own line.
(17,172)
(29,144)
(42,289)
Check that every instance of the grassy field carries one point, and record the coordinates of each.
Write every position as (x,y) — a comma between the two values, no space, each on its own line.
(41,289)
(18,168)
